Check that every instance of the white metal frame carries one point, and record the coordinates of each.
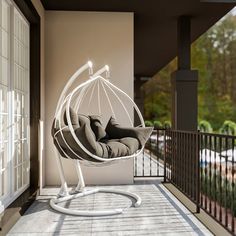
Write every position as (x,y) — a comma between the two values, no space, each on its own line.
(66,100)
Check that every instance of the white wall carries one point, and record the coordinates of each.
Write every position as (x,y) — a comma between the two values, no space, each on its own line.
(71,39)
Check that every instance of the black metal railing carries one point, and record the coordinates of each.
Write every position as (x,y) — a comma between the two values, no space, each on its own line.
(182,165)
(217,176)
(151,162)
(202,166)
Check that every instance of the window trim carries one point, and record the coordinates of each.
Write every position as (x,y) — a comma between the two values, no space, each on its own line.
(31,14)
(22,203)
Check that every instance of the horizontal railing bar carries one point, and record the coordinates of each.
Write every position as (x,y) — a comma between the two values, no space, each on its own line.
(148,176)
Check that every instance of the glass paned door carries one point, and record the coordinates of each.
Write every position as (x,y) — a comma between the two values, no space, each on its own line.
(4,103)
(20,101)
(14,103)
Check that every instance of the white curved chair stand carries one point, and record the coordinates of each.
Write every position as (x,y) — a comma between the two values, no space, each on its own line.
(65,102)
(55,201)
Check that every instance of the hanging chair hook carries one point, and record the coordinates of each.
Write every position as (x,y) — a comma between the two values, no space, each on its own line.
(107,71)
(101,71)
(90,64)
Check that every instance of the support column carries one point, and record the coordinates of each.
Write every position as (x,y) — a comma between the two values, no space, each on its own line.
(184,81)
(138,97)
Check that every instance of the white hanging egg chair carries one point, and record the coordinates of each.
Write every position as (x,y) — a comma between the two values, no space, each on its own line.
(72,121)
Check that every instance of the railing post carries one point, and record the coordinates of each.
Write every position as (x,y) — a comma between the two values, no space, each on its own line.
(191,156)
(198,190)
(165,155)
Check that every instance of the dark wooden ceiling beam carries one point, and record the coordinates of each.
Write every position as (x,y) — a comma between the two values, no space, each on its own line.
(155,25)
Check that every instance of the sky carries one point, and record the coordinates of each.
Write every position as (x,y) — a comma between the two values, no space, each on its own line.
(234,11)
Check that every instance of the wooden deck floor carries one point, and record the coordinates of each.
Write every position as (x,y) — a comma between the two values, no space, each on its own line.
(160,214)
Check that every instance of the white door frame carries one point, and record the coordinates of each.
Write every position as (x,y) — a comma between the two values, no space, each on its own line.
(18,81)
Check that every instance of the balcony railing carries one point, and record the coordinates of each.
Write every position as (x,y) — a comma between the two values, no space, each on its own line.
(151,162)
(201,165)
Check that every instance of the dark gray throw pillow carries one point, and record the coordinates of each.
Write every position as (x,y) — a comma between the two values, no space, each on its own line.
(73,116)
(83,120)
(87,138)
(85,135)
(77,120)
(115,130)
(98,129)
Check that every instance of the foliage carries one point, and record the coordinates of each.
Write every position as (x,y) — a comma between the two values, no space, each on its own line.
(167,124)
(157,124)
(205,126)
(157,102)
(215,188)
(229,127)
(148,123)
(214,56)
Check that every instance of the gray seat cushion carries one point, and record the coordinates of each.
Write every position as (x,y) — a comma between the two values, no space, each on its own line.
(108,149)
(124,142)
(121,147)
(114,130)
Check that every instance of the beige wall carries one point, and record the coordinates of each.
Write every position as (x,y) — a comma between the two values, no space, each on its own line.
(71,38)
(40,9)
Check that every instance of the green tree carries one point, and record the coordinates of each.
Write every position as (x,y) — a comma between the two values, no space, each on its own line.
(214,55)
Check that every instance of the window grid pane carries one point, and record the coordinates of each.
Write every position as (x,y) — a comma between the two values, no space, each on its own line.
(20,85)
(14,101)
(4,78)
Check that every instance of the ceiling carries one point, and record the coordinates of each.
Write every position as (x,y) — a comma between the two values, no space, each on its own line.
(155,23)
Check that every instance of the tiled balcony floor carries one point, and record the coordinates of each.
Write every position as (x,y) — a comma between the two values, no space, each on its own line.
(160,214)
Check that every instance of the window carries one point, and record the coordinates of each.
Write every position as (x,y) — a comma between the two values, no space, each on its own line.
(14,103)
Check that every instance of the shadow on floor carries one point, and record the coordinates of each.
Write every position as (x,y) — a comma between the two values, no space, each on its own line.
(160,213)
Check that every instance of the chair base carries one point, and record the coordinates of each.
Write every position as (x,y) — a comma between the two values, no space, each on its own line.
(55,201)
